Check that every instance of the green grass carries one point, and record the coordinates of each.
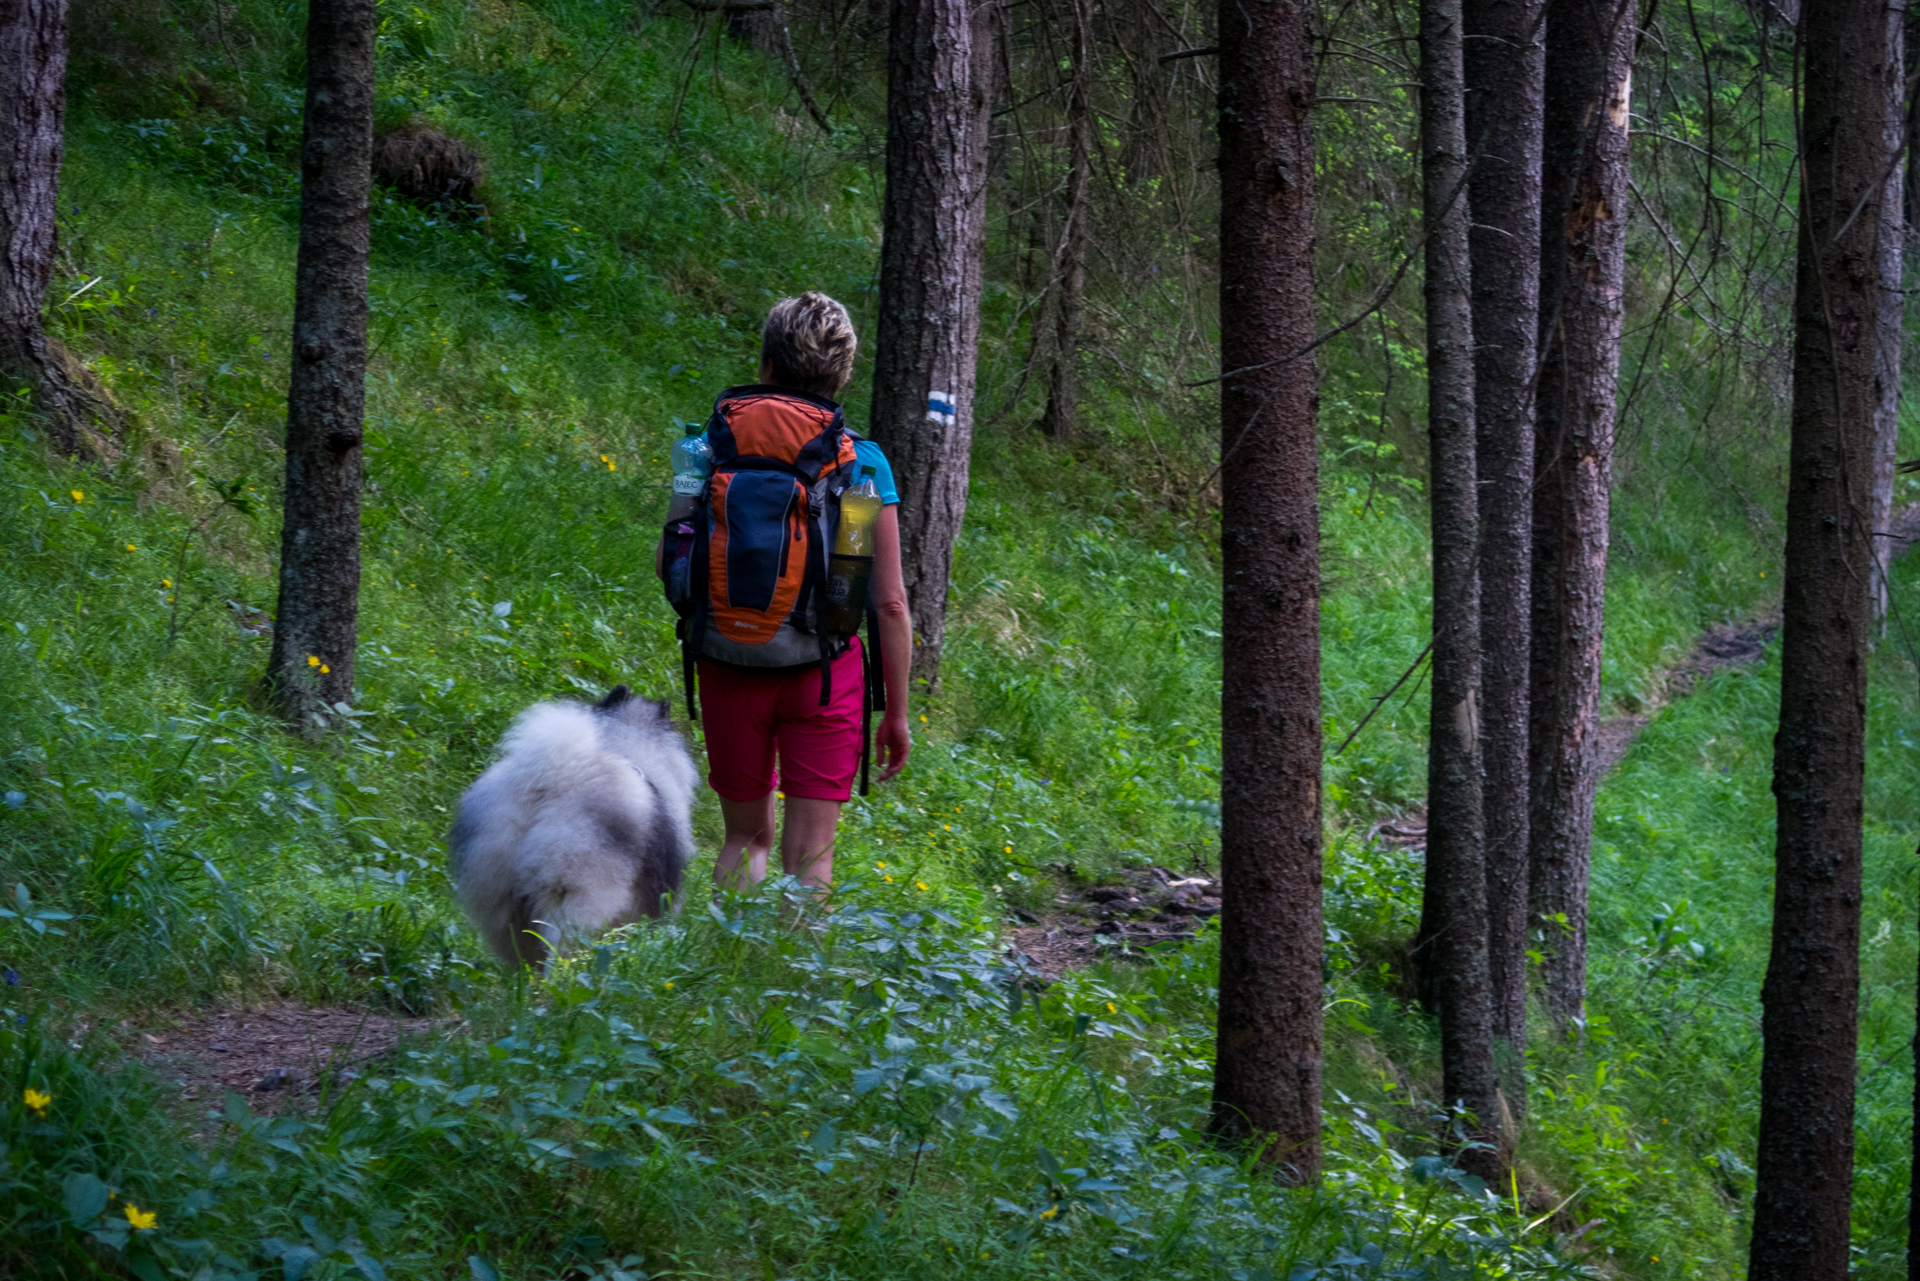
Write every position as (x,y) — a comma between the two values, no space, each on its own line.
(867,1092)
(527,374)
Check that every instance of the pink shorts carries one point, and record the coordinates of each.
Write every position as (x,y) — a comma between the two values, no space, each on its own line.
(748,714)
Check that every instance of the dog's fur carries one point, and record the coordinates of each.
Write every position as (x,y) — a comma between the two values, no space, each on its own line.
(585,822)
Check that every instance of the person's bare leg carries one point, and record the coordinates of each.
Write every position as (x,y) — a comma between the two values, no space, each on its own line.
(806,839)
(743,854)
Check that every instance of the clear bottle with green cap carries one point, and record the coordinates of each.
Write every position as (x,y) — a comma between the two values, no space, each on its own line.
(852,563)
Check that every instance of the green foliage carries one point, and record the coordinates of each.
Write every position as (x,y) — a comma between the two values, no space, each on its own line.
(777,1086)
(78,1168)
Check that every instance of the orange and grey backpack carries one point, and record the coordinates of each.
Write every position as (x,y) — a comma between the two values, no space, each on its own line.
(747,569)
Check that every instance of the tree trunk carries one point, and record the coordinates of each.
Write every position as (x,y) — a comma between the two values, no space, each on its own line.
(1453,924)
(1913,1172)
(933,243)
(1582,284)
(756,28)
(1070,262)
(1809,1022)
(1910,66)
(1505,63)
(1893,307)
(311,666)
(1266,1079)
(33,105)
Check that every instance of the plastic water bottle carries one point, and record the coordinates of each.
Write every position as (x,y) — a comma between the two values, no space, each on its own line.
(692,464)
(852,563)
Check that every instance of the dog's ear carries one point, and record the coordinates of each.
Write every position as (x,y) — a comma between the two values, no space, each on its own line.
(616,696)
(663,708)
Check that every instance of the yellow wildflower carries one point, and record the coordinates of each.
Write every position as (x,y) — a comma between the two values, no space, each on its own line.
(1049,1212)
(36,1100)
(78,497)
(325,670)
(132,548)
(166,582)
(921,884)
(313,660)
(608,461)
(887,879)
(669,985)
(142,1220)
(1112,1008)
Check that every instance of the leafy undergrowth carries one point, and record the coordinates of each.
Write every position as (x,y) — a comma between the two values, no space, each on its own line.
(773,1087)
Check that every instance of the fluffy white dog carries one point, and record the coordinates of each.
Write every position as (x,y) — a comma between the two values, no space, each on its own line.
(585,822)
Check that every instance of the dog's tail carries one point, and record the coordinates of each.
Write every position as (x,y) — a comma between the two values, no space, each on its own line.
(551,738)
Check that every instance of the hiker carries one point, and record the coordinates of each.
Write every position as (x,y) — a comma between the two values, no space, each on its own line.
(748,572)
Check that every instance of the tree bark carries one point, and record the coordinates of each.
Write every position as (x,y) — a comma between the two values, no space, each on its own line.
(1910,66)
(1070,261)
(1893,307)
(1582,285)
(311,665)
(33,106)
(1453,925)
(1809,1017)
(756,28)
(931,257)
(1913,1171)
(1266,1080)
(1505,60)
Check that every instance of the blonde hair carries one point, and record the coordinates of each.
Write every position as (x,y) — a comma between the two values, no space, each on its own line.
(808,343)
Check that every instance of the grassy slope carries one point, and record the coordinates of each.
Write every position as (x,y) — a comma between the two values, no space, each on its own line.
(523,390)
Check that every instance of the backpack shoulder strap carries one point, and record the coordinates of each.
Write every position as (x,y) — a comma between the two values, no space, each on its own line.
(693,630)
(720,432)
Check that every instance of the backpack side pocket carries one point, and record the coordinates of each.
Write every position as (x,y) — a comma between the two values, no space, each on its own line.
(678,544)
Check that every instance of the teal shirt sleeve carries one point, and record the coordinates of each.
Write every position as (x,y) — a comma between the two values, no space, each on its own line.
(870,455)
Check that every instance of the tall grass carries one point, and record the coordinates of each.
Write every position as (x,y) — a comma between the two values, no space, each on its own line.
(768,1089)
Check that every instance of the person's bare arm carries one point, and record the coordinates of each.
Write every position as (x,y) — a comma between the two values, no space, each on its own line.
(889,592)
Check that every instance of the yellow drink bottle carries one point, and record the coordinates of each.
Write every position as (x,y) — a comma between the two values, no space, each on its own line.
(852,562)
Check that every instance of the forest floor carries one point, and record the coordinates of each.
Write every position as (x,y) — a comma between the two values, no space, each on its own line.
(278,1054)
(1154,906)
(289,1053)
(286,1051)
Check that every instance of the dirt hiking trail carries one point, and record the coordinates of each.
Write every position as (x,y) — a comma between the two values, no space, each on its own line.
(1149,907)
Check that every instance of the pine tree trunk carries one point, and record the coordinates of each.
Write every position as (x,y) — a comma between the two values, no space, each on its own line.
(1070,263)
(311,666)
(931,256)
(1582,287)
(33,104)
(1453,934)
(1910,64)
(1266,1080)
(1913,1168)
(1810,1001)
(756,28)
(1893,307)
(1505,62)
